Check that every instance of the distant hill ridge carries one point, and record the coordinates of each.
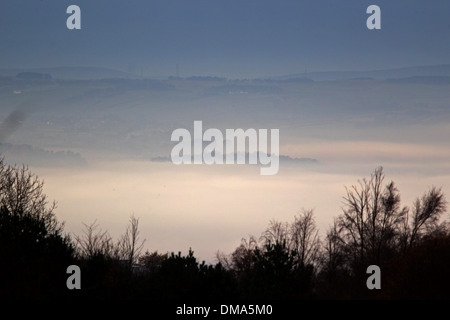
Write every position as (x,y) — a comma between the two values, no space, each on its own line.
(95,73)
(73,73)
(394,73)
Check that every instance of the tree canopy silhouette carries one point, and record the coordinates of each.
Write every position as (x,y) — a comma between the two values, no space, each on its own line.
(34,252)
(375,229)
(288,261)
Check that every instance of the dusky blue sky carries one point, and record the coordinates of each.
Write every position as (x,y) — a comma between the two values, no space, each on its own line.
(245,38)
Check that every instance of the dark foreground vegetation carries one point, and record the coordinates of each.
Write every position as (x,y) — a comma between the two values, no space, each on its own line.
(289,261)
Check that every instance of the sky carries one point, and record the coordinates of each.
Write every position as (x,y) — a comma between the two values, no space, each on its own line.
(227,38)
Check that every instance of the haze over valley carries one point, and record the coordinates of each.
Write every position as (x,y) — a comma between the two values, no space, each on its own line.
(103,148)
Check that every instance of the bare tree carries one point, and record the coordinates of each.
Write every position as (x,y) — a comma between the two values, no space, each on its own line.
(277,232)
(333,254)
(426,214)
(130,245)
(242,257)
(371,218)
(304,238)
(354,217)
(224,260)
(374,226)
(95,241)
(22,194)
(300,237)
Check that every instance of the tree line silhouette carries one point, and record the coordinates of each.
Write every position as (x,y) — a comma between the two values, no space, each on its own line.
(289,261)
